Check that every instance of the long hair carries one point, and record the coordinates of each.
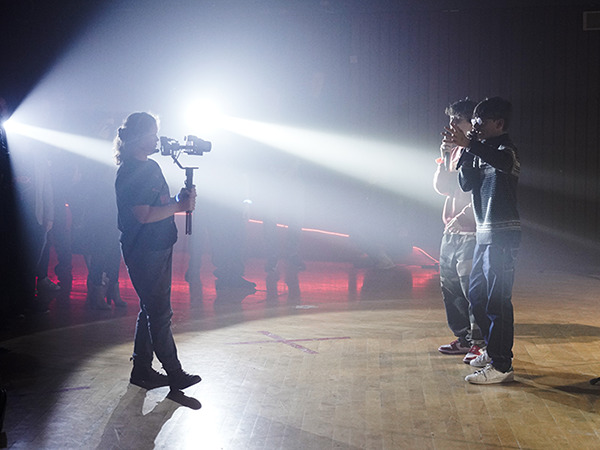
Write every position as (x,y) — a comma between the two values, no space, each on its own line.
(136,126)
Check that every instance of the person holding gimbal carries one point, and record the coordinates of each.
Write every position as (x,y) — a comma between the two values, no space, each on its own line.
(148,232)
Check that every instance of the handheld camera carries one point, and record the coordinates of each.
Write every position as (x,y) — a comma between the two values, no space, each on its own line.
(193,146)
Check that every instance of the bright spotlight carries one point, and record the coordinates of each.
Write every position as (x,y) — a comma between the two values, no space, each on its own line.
(204,116)
(8,124)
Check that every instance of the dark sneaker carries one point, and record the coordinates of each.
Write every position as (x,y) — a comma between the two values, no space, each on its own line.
(47,285)
(114,294)
(454,348)
(181,380)
(148,378)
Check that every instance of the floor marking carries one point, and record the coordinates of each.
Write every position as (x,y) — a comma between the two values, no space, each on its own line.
(291,342)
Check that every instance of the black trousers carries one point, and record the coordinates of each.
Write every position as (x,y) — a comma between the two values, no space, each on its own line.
(150,273)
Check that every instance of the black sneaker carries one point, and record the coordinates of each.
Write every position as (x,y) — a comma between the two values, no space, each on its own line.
(47,285)
(148,378)
(181,380)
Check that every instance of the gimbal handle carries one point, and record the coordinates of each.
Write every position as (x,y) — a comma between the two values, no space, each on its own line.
(189,184)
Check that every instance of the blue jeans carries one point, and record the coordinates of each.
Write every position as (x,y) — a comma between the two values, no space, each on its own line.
(456,257)
(490,294)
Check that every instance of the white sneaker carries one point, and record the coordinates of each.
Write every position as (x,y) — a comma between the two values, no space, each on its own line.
(481,360)
(490,375)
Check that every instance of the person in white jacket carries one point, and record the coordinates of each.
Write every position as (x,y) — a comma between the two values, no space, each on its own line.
(458,242)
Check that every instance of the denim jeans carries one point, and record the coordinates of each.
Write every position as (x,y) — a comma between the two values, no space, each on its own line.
(456,255)
(490,294)
(150,273)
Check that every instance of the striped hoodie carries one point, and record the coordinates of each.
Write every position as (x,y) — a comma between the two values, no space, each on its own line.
(490,170)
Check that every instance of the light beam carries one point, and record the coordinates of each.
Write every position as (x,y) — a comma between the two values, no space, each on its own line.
(95,149)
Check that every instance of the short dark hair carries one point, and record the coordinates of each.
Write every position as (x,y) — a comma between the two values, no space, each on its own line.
(461,108)
(495,108)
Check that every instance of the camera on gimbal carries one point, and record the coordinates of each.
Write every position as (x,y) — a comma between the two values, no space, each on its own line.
(193,146)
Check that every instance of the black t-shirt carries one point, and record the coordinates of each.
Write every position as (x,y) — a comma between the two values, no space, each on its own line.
(143,183)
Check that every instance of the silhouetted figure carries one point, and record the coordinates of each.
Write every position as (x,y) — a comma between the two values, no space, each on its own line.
(96,235)
(63,172)
(220,226)
(148,233)
(35,206)
(11,283)
(222,229)
(281,202)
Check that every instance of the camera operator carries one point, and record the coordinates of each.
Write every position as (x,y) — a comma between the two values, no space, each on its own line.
(148,233)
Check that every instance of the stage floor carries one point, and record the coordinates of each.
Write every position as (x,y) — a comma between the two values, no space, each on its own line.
(351,364)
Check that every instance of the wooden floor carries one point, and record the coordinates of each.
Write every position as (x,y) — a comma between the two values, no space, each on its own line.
(352,365)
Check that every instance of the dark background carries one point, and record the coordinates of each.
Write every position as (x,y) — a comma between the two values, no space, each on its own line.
(391,67)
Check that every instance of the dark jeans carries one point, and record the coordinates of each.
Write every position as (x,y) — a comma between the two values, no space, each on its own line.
(490,293)
(104,258)
(61,238)
(150,273)
(456,257)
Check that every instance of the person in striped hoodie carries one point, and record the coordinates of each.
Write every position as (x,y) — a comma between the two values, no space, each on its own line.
(489,168)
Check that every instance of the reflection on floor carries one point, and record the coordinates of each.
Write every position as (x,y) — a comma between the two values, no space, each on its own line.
(350,363)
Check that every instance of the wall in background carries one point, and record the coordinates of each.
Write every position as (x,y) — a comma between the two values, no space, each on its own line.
(408,64)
